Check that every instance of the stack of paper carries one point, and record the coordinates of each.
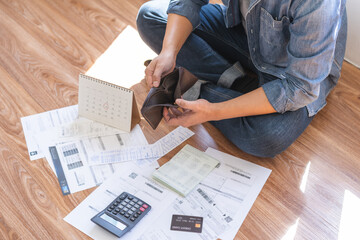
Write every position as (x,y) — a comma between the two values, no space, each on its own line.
(185,170)
(71,144)
(130,179)
(222,199)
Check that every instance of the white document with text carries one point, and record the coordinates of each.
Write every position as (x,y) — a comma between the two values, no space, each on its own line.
(223,199)
(39,123)
(152,151)
(132,180)
(71,159)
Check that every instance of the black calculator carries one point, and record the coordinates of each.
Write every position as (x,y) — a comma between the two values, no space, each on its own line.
(122,214)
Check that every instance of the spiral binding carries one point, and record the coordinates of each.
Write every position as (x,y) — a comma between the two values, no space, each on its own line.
(105,83)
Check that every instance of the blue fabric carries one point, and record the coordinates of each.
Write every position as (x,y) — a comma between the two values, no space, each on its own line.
(297,75)
(301,42)
(262,136)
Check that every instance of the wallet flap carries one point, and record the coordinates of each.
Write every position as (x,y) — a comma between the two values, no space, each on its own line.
(171,87)
(185,82)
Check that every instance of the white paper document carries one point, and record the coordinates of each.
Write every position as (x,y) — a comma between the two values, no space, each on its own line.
(152,151)
(129,179)
(185,170)
(42,122)
(223,199)
(82,127)
(79,129)
(71,159)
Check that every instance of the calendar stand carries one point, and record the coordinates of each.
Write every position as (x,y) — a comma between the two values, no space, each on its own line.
(107,103)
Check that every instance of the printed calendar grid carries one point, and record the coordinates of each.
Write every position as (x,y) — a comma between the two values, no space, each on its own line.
(105,102)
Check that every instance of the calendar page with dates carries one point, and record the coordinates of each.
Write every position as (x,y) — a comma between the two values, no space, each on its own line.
(105,102)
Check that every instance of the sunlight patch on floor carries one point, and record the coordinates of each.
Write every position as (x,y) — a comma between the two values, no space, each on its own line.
(290,234)
(305,178)
(123,62)
(350,217)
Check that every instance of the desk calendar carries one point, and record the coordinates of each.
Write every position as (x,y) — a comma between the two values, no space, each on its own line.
(107,103)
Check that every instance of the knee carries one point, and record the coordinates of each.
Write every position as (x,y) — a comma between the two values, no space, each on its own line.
(268,146)
(151,23)
(259,141)
(142,17)
(270,141)
(150,13)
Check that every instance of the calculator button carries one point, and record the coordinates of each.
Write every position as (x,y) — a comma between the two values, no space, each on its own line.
(122,197)
(137,205)
(132,219)
(125,209)
(127,215)
(121,206)
(132,203)
(112,207)
(145,206)
(138,212)
(116,203)
(135,215)
(130,212)
(114,212)
(117,209)
(131,198)
(133,209)
(135,200)
(123,203)
(109,209)
(122,212)
(140,203)
(128,206)
(126,200)
(142,209)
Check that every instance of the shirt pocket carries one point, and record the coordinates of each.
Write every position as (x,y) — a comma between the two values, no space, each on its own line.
(274,38)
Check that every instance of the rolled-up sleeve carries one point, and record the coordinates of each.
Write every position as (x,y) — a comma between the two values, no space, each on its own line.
(187,8)
(313,35)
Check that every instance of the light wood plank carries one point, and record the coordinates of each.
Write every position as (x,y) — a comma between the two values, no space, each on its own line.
(45,44)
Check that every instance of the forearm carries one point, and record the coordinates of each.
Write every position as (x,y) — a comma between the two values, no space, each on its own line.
(250,104)
(178,28)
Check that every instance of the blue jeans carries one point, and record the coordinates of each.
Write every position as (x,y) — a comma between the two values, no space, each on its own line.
(210,50)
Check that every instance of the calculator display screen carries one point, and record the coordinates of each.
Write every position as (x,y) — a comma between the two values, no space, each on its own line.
(114,222)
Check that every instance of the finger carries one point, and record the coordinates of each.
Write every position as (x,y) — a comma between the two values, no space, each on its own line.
(176,111)
(170,113)
(148,81)
(157,76)
(166,114)
(179,121)
(149,71)
(174,121)
(185,104)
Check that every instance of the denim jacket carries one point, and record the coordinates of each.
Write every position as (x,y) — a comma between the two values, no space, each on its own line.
(299,42)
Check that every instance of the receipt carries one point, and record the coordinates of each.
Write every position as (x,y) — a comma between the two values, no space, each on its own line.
(132,153)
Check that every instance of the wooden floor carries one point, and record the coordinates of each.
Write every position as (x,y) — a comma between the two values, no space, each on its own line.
(45,44)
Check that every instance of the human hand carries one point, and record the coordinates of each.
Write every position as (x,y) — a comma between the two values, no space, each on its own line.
(190,113)
(159,67)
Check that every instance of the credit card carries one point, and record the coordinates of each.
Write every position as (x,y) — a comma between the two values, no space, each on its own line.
(186,223)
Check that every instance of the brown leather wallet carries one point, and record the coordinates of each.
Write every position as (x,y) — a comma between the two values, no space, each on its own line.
(171,87)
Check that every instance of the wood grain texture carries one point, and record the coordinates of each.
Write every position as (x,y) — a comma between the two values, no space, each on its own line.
(45,44)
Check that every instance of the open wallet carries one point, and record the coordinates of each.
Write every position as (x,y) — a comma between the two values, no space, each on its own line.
(171,87)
